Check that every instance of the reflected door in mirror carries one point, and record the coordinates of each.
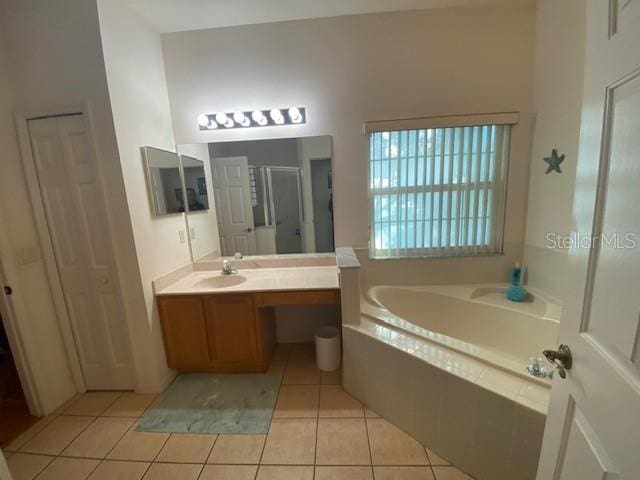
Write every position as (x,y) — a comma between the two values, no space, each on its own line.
(232,198)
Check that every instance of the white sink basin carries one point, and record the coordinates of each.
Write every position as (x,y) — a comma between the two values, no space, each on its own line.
(220,281)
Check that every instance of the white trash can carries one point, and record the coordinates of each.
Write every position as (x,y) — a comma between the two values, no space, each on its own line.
(328,348)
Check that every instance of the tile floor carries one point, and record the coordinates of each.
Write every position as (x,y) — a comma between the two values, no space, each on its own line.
(318,432)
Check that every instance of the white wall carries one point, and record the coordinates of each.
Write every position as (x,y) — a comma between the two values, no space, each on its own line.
(204,224)
(559,63)
(32,302)
(4,470)
(56,62)
(347,70)
(138,94)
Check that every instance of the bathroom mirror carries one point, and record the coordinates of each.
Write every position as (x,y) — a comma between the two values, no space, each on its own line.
(164,182)
(195,184)
(267,197)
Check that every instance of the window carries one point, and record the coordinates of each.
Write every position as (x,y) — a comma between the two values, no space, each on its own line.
(437,191)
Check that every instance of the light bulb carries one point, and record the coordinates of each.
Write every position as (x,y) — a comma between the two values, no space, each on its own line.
(294,115)
(212,125)
(221,118)
(259,117)
(229,123)
(238,117)
(241,119)
(203,120)
(276,116)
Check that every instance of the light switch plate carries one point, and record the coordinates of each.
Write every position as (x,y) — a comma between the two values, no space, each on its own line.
(192,233)
(182,236)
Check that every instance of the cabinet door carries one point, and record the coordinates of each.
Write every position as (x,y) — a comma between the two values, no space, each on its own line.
(184,330)
(231,328)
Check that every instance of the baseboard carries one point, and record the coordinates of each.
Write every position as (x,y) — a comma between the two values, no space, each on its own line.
(157,387)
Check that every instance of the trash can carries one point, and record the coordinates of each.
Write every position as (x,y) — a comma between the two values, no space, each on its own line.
(328,348)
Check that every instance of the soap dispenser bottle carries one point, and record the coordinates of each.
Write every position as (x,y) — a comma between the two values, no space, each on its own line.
(515,292)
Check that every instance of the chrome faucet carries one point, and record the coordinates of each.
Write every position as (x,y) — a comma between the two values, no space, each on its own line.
(227,269)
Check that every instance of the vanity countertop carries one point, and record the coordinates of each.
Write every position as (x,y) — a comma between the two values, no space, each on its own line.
(255,280)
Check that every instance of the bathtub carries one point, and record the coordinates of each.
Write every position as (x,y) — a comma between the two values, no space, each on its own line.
(476,320)
(447,364)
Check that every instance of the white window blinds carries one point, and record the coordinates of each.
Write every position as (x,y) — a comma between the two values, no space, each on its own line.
(437,191)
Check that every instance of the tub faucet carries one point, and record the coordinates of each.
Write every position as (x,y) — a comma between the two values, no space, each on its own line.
(227,269)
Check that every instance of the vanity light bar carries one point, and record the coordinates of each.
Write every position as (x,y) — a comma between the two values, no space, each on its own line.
(253,118)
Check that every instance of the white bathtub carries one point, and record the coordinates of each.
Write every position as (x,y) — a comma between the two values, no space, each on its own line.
(447,364)
(476,320)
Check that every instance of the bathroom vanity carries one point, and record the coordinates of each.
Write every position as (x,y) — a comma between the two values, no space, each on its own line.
(226,323)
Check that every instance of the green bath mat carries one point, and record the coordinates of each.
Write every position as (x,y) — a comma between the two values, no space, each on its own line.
(215,403)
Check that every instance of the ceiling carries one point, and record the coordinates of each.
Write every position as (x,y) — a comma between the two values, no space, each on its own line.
(179,15)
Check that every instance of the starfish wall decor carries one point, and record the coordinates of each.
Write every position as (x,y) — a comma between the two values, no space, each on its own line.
(554,161)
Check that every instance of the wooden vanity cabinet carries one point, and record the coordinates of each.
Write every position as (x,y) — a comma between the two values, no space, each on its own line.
(227,332)
(218,333)
(231,329)
(184,327)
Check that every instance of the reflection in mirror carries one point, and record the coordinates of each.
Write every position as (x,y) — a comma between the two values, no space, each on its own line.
(200,220)
(195,184)
(163,180)
(272,196)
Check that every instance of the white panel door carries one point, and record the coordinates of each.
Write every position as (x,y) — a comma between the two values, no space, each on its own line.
(230,176)
(593,426)
(76,219)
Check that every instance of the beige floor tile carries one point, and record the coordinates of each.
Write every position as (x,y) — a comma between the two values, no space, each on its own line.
(284,473)
(343,473)
(301,374)
(450,473)
(435,459)
(92,404)
(187,448)
(228,472)
(234,449)
(173,471)
(297,401)
(139,446)
(370,413)
(117,470)
(24,466)
(27,435)
(282,350)
(69,469)
(53,438)
(66,404)
(290,441)
(99,438)
(303,351)
(130,405)
(331,378)
(391,446)
(335,402)
(277,366)
(403,473)
(342,442)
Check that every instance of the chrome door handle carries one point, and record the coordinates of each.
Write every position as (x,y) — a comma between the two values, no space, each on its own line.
(561,359)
